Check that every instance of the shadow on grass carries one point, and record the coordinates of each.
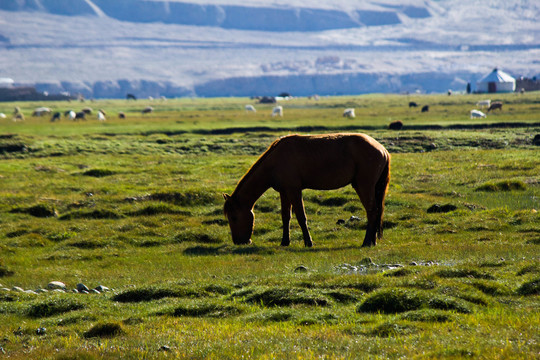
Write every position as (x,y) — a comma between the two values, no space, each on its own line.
(206,250)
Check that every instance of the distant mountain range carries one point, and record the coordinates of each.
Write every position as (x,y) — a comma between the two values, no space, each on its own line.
(103,48)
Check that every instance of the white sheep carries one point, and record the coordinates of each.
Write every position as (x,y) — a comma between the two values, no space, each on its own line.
(484,103)
(250,108)
(101,116)
(72,115)
(349,113)
(477,114)
(277,111)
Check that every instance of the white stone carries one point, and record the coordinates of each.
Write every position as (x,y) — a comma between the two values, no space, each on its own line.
(53,285)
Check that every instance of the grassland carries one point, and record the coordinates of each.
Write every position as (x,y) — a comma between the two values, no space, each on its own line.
(135,204)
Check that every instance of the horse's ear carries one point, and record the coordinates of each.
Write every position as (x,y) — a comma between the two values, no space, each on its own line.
(226,197)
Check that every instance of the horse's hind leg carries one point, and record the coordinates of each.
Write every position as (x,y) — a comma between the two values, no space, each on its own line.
(367,197)
(298,207)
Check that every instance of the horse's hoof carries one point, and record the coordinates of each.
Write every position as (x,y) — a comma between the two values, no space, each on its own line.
(285,243)
(309,244)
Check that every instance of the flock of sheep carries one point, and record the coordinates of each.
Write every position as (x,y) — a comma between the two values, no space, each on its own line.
(485,103)
(276,111)
(68,114)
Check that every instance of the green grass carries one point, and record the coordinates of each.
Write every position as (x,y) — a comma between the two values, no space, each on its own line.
(136,205)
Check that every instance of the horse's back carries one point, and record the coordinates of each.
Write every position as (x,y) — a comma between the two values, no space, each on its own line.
(326,161)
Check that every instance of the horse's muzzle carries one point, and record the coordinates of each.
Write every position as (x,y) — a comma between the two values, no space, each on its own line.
(241,242)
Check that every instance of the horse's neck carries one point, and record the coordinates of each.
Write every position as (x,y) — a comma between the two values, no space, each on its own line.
(252,186)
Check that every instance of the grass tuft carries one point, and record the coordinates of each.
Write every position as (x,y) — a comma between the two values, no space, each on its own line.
(157,210)
(98,173)
(436,208)
(94,214)
(207,310)
(463,273)
(396,300)
(283,297)
(149,294)
(39,210)
(53,307)
(530,287)
(505,185)
(5,271)
(105,330)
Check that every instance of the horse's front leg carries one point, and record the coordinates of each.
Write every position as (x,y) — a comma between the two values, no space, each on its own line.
(286,218)
(298,206)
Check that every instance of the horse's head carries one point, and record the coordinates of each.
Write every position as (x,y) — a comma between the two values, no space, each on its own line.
(240,220)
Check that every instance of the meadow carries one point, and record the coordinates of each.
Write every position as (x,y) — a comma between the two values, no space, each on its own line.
(135,205)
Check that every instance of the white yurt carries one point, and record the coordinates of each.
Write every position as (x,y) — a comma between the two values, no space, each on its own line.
(496,81)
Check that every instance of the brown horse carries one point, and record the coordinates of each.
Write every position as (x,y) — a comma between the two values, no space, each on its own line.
(320,162)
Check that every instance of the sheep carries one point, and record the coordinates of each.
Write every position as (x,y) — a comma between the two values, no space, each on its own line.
(495,105)
(277,111)
(250,108)
(18,117)
(56,116)
(477,114)
(349,113)
(121,115)
(2,116)
(87,110)
(131,97)
(484,103)
(412,104)
(71,115)
(17,110)
(80,115)
(101,116)
(147,110)
(425,108)
(41,111)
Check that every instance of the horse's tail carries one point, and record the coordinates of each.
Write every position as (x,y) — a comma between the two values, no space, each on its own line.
(380,192)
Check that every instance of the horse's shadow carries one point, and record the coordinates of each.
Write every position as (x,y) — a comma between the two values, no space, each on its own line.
(209,250)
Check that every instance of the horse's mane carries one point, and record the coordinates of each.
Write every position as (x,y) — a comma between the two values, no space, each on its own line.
(257,164)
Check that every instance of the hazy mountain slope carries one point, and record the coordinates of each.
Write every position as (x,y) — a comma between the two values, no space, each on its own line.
(106,48)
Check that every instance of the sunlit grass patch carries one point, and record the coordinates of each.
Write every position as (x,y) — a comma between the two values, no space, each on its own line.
(391,329)
(156,293)
(157,209)
(208,309)
(273,296)
(506,185)
(464,273)
(396,300)
(428,315)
